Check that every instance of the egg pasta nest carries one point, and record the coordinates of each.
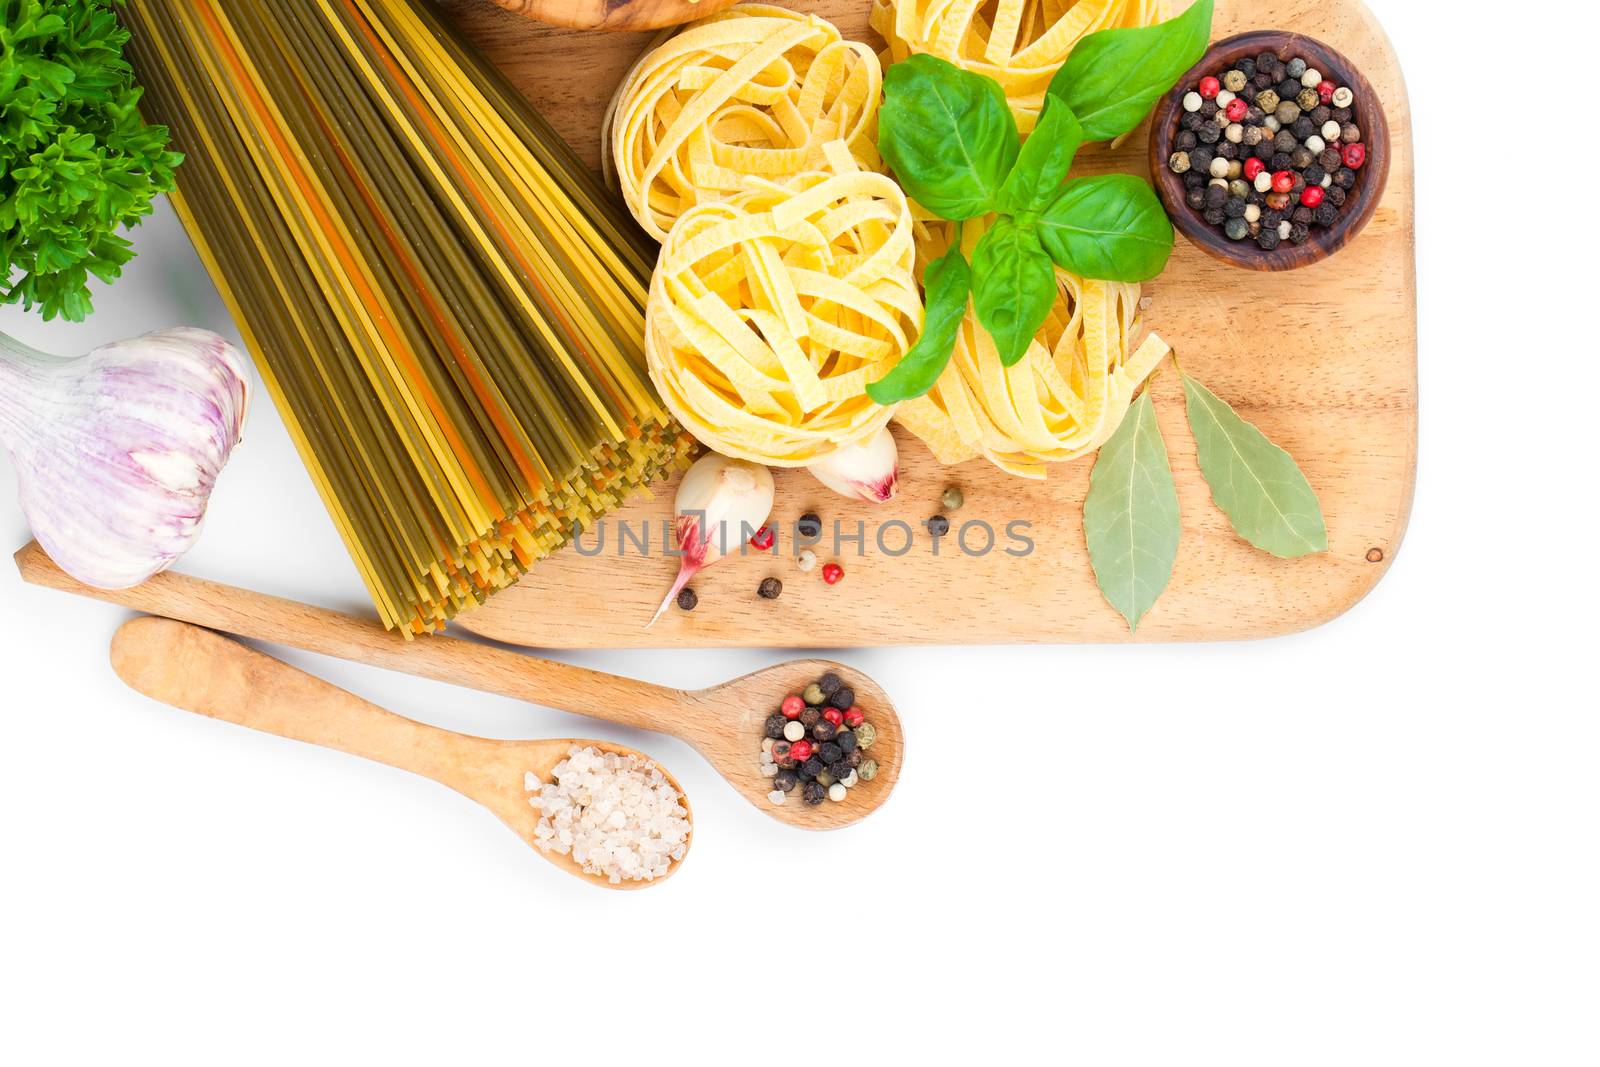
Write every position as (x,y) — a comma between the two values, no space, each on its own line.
(769,313)
(1019,43)
(755,91)
(1063,400)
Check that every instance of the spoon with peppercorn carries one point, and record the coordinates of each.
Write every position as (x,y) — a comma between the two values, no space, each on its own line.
(645,839)
(849,724)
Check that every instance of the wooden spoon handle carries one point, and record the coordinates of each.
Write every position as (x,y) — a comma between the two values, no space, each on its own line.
(202,672)
(330,633)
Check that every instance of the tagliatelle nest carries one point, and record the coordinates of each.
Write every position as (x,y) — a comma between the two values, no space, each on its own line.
(1018,43)
(755,91)
(1063,400)
(769,313)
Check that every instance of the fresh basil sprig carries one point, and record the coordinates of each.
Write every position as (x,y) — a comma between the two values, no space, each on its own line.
(948,134)
(955,149)
(1113,78)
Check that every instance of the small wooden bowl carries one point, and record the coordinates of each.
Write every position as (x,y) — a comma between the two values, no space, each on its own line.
(615,14)
(1370,179)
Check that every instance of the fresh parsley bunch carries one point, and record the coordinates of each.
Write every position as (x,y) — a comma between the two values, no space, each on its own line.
(77,163)
(955,149)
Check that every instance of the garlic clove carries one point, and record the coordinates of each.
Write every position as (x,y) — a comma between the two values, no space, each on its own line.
(721,503)
(869,471)
(117,451)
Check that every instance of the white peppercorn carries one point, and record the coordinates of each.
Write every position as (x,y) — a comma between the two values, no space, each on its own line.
(1219,168)
(1311,78)
(1343,96)
(1272,123)
(1331,131)
(1192,102)
(1179,163)
(1234,133)
(1225,98)
(793,730)
(1316,144)
(1264,182)
(1252,213)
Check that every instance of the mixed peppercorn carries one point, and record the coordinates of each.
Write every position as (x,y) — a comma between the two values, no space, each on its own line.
(1268,150)
(817,741)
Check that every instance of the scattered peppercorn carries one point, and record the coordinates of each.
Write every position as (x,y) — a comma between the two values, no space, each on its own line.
(763,539)
(770,589)
(832,573)
(687,599)
(953,498)
(938,526)
(809,526)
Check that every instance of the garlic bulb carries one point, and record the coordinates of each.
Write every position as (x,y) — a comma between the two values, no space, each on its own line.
(869,472)
(721,503)
(116,451)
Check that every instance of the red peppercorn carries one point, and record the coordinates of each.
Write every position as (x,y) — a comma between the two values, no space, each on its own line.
(793,706)
(1355,156)
(1326,90)
(1209,88)
(1237,110)
(854,718)
(1283,181)
(1312,196)
(834,715)
(832,573)
(763,539)
(800,751)
(1253,168)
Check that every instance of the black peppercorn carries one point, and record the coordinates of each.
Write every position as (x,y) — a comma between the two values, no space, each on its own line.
(1262,81)
(1209,134)
(829,683)
(1265,150)
(1302,128)
(810,525)
(810,717)
(1320,115)
(1299,233)
(938,526)
(1268,239)
(852,759)
(1228,150)
(1247,67)
(1208,109)
(787,763)
(1326,214)
(1197,199)
(814,793)
(1200,159)
(1299,183)
(1216,196)
(1255,116)
(1330,160)
(1280,161)
(829,752)
(811,768)
(1196,180)
(785,781)
(1249,93)
(1270,219)
(1315,174)
(839,769)
(1285,142)
(1301,158)
(1214,216)
(843,698)
(1190,122)
(770,589)
(1234,208)
(1288,89)
(1344,178)
(846,740)
(1253,197)
(1267,61)
(1302,215)
(824,730)
(1341,115)
(1337,196)
(774,726)
(688,600)
(1183,142)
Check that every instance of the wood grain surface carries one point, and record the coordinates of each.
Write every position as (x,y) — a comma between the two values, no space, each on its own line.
(614,15)
(1323,360)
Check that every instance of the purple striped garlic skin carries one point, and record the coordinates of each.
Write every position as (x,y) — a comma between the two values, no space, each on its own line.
(117,451)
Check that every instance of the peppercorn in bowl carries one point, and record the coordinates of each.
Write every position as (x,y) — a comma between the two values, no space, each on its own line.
(1272,153)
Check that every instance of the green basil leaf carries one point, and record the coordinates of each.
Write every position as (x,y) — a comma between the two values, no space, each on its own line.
(1130,516)
(1045,160)
(1113,78)
(948,134)
(1014,287)
(1111,228)
(1255,483)
(946,284)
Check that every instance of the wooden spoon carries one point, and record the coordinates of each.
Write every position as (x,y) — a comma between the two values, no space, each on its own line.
(724,722)
(202,672)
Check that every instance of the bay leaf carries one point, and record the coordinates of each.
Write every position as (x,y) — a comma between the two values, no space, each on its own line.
(1130,516)
(1256,484)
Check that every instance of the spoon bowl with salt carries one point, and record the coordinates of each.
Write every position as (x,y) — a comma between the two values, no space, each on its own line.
(211,675)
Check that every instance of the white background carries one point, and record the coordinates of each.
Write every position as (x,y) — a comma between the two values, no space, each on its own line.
(1374,843)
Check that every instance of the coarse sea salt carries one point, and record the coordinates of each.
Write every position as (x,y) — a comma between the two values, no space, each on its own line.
(617,816)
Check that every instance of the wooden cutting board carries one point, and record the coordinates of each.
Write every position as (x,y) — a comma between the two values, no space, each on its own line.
(1324,360)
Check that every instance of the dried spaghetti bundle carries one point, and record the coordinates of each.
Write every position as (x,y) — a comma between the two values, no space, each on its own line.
(447,308)
(1019,43)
